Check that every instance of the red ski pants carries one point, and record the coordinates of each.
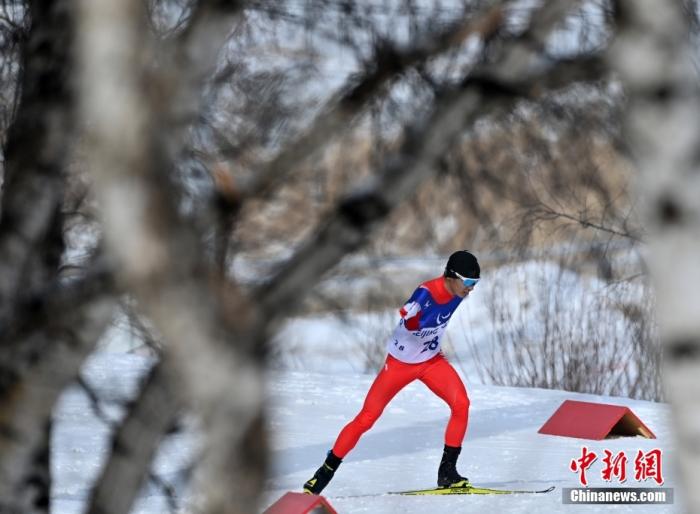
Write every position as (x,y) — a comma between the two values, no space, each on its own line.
(436,373)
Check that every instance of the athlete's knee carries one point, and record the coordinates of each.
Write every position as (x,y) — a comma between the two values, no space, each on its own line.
(460,405)
(365,419)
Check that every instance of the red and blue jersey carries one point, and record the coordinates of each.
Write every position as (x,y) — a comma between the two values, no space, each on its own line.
(424,319)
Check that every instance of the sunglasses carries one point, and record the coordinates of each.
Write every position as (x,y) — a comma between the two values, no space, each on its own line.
(468,282)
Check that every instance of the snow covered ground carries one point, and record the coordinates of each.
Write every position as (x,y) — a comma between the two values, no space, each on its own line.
(402,451)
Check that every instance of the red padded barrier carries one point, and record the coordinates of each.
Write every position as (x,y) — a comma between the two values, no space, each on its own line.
(300,503)
(587,420)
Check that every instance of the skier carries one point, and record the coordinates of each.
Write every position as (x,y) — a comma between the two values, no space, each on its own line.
(414,354)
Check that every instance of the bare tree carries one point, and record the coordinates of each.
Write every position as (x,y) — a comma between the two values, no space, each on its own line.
(170,288)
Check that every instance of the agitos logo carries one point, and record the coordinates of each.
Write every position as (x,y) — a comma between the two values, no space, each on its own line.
(647,466)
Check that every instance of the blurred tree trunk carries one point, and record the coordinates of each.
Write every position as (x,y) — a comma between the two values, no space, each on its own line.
(31,241)
(37,144)
(205,323)
(653,55)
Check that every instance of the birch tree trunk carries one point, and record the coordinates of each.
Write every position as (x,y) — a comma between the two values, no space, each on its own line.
(652,55)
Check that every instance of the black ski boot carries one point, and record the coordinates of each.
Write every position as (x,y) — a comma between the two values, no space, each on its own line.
(447,472)
(323,475)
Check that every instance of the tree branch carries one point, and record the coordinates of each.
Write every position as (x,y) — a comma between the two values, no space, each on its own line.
(338,114)
(135,442)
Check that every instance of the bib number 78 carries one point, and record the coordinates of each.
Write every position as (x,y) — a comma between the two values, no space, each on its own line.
(430,345)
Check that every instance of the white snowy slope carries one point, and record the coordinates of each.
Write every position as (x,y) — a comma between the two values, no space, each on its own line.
(402,450)
(502,448)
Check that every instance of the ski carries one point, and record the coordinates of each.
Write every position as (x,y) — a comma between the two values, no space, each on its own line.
(453,490)
(469,490)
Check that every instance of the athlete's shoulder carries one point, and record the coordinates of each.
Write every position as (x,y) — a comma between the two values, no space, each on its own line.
(437,289)
(420,295)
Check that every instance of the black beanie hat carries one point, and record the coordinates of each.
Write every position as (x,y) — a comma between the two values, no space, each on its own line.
(464,263)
